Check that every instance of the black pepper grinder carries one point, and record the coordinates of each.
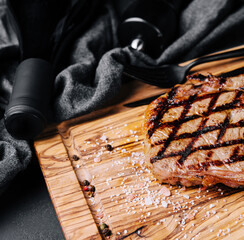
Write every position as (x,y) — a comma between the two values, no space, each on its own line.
(148,25)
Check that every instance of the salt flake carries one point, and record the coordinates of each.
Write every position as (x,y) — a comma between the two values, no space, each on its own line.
(97,160)
(148,201)
(186,196)
(103,138)
(164,204)
(165,191)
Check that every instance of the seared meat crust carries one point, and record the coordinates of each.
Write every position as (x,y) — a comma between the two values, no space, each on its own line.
(194,134)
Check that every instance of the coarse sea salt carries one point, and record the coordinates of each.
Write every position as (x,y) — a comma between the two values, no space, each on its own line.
(164,204)
(148,201)
(97,160)
(165,191)
(103,138)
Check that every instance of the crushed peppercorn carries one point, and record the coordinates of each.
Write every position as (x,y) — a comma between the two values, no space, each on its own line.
(85,183)
(75,158)
(106,232)
(91,188)
(103,226)
(90,194)
(109,147)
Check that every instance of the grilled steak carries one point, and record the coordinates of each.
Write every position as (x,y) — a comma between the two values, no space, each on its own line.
(194,134)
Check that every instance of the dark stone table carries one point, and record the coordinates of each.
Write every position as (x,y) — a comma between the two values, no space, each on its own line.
(26,210)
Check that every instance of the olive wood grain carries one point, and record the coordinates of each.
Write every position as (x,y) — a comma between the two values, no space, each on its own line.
(73,212)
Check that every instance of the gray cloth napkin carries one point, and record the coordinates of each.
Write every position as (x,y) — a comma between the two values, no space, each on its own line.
(93,76)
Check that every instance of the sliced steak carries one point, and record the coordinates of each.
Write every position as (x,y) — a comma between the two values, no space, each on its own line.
(194,134)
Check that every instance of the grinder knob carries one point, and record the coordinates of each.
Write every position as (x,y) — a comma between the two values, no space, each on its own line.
(148,26)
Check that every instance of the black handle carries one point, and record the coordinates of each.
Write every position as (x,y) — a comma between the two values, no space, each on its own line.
(26,114)
(215,57)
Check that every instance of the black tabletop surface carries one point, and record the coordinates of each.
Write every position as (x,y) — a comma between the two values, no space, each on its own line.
(26,210)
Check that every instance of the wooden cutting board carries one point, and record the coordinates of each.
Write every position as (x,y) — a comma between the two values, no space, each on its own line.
(128,198)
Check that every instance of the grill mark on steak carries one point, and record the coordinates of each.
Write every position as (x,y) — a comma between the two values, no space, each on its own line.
(210,154)
(232,105)
(212,102)
(227,119)
(199,98)
(161,109)
(223,129)
(222,81)
(193,117)
(218,145)
(206,164)
(211,95)
(205,147)
(203,131)
(188,149)
(161,152)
